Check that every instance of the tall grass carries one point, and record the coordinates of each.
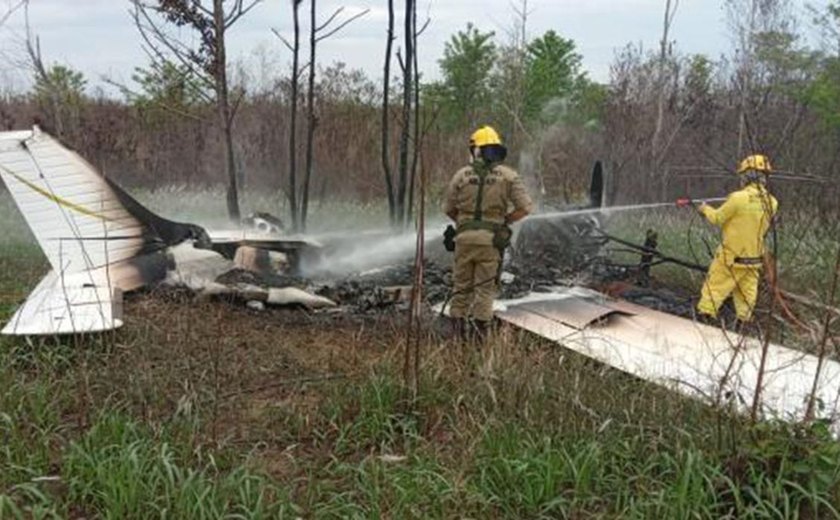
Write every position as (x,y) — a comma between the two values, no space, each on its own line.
(118,469)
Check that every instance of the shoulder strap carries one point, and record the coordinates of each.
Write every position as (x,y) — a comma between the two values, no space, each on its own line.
(481,170)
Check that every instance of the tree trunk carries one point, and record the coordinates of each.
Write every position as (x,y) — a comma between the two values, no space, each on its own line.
(415,152)
(293,102)
(223,108)
(660,100)
(405,133)
(310,115)
(386,98)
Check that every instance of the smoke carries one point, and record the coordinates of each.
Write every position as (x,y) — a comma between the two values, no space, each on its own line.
(356,252)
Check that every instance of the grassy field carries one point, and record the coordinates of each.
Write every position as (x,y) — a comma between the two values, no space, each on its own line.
(207,410)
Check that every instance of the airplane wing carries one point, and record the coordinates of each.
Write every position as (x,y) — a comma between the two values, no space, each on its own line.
(226,242)
(697,360)
(68,304)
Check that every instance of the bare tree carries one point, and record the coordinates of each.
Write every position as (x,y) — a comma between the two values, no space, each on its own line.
(512,71)
(293,110)
(662,78)
(386,117)
(206,60)
(316,35)
(419,133)
(414,330)
(310,114)
(748,20)
(406,65)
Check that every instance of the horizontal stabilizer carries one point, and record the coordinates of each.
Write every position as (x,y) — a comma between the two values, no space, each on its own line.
(69,304)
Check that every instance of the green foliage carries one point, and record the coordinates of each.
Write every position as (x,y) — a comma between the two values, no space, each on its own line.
(464,94)
(371,416)
(824,93)
(800,462)
(378,487)
(786,64)
(29,423)
(525,474)
(698,78)
(165,86)
(553,72)
(62,87)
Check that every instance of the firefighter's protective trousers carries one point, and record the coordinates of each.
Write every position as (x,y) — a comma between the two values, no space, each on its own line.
(474,281)
(722,281)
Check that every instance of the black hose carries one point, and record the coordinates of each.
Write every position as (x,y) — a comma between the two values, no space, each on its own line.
(654,252)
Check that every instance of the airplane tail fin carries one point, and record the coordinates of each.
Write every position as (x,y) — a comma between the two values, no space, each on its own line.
(82,220)
(97,239)
(76,217)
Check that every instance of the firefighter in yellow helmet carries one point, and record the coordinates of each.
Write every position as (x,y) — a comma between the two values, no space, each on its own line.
(744,220)
(483,199)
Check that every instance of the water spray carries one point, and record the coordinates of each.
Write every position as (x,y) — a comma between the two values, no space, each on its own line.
(376,248)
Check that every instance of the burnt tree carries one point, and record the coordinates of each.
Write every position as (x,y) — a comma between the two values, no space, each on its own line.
(386,101)
(405,143)
(316,35)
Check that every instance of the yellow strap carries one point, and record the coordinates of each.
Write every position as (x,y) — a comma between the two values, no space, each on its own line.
(55,198)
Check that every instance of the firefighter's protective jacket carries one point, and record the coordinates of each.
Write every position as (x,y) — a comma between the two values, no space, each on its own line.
(744,220)
(501,192)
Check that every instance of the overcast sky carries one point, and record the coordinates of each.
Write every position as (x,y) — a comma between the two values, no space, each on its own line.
(98,37)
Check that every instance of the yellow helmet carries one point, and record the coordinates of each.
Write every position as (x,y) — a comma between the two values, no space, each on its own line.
(485,136)
(759,163)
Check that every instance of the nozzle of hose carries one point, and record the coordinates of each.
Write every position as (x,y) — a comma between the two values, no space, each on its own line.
(684,201)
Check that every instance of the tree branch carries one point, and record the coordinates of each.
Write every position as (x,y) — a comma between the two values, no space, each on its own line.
(343,25)
(11,11)
(283,39)
(329,20)
(152,31)
(132,95)
(423,28)
(238,11)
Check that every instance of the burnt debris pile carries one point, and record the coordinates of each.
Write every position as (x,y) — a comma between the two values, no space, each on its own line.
(546,253)
(549,252)
(386,287)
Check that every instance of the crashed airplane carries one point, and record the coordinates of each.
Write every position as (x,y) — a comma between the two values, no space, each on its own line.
(100,243)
